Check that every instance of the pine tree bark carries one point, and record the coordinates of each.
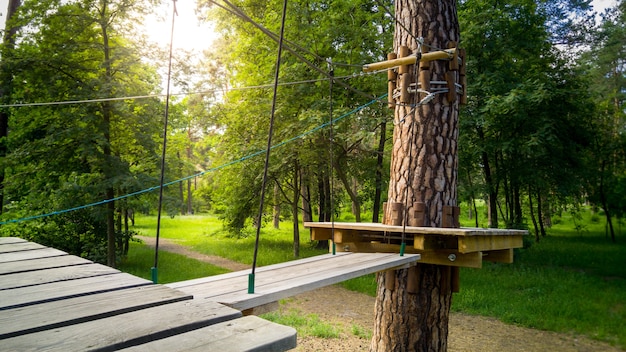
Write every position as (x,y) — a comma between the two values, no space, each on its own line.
(423,169)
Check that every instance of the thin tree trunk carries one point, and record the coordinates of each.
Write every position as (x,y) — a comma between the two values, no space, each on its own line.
(294,209)
(305,191)
(532,214)
(378,178)
(424,165)
(107,114)
(5,90)
(540,215)
(276,207)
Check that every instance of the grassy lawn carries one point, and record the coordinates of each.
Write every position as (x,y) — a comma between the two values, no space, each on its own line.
(573,281)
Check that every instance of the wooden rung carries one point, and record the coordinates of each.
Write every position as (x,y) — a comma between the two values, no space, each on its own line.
(403,52)
(501,256)
(452,258)
(391,87)
(489,243)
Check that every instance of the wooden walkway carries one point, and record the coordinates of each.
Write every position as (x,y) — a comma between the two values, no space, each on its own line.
(53,301)
(275,282)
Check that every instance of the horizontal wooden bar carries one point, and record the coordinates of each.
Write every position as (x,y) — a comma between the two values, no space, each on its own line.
(410,60)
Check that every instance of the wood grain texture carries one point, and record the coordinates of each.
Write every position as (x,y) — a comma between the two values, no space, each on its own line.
(54,291)
(40,317)
(45,276)
(249,333)
(126,330)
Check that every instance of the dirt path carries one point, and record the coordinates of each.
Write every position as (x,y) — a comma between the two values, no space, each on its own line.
(348,310)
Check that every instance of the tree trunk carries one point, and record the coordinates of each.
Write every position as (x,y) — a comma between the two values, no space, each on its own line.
(378,179)
(540,215)
(5,90)
(423,169)
(532,214)
(276,207)
(294,209)
(305,192)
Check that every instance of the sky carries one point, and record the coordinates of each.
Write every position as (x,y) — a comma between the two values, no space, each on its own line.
(190,34)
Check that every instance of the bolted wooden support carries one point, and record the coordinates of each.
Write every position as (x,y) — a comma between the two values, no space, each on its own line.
(390,280)
(418,215)
(450,216)
(405,81)
(424,76)
(395,214)
(412,284)
(392,77)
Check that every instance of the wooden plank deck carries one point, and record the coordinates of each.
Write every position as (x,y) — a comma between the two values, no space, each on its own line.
(377,227)
(274,282)
(53,301)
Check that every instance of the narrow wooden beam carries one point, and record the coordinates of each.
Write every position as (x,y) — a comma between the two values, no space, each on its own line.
(410,60)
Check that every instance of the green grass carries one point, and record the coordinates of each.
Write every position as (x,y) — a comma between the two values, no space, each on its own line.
(573,281)
(305,325)
(205,234)
(172,267)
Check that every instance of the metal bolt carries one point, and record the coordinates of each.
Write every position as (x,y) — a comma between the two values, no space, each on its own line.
(452,257)
(346,248)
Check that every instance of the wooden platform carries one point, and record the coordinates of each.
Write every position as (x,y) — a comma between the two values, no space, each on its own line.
(53,301)
(460,247)
(274,282)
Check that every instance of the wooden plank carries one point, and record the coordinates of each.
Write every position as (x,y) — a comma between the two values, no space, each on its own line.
(19,246)
(272,274)
(45,276)
(9,240)
(52,315)
(489,243)
(244,273)
(244,334)
(462,231)
(41,263)
(29,295)
(126,330)
(26,255)
(284,281)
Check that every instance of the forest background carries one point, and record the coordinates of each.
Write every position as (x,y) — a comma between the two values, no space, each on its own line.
(82,116)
